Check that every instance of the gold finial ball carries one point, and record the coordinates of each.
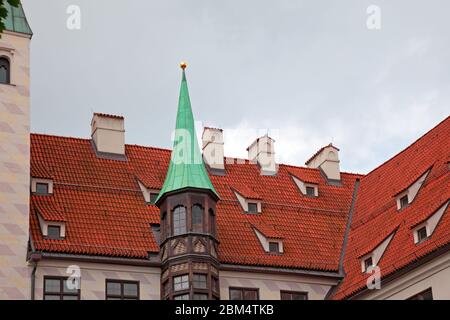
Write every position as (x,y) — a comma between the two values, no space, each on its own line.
(183,65)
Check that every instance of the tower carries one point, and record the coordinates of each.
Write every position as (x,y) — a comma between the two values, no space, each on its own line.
(187,203)
(14,155)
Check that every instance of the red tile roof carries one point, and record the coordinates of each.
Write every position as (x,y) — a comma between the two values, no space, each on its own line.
(106,214)
(376,214)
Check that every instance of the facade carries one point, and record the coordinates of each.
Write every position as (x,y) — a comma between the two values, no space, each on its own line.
(100,219)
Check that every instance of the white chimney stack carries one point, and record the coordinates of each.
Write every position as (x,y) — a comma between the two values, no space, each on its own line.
(212,146)
(327,159)
(262,151)
(108,134)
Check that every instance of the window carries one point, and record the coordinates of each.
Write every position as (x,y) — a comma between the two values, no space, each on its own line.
(292,295)
(179,221)
(422,234)
(122,290)
(4,70)
(404,201)
(215,284)
(54,232)
(56,288)
(310,191)
(274,247)
(252,207)
(197,218)
(199,281)
(181,282)
(153,197)
(41,188)
(200,296)
(424,295)
(368,263)
(212,222)
(182,297)
(244,294)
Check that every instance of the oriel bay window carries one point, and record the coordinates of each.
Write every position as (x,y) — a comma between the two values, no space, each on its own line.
(179,220)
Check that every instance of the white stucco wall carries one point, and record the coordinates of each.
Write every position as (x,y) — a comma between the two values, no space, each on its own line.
(434,274)
(94,275)
(270,285)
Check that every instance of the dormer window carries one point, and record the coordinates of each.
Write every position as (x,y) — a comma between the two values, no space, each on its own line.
(306,188)
(252,207)
(406,196)
(368,263)
(422,234)
(274,247)
(310,191)
(41,188)
(404,201)
(423,230)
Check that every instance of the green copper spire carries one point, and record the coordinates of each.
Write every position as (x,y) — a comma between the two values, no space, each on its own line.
(16,20)
(186,168)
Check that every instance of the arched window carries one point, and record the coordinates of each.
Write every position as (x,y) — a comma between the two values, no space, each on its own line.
(212,222)
(179,220)
(197,218)
(4,70)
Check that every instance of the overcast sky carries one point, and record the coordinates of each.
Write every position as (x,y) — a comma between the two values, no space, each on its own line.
(309,72)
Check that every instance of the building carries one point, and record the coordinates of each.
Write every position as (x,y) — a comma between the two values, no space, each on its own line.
(100,219)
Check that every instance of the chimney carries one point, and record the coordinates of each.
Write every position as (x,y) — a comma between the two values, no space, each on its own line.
(108,134)
(327,159)
(263,152)
(212,146)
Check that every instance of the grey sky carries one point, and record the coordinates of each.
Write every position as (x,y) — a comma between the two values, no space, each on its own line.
(309,71)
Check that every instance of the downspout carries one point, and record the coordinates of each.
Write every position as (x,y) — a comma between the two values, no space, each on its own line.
(344,244)
(35,257)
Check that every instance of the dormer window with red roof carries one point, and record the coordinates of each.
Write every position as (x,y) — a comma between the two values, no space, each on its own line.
(306,188)
(249,200)
(406,197)
(270,239)
(41,186)
(423,230)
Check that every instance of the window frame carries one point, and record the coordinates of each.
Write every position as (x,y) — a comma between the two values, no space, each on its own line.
(313,188)
(243,290)
(366,266)
(53,226)
(181,276)
(278,251)
(418,231)
(291,293)
(253,204)
(178,221)
(61,292)
(198,227)
(400,200)
(122,295)
(7,66)
(194,281)
(42,184)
